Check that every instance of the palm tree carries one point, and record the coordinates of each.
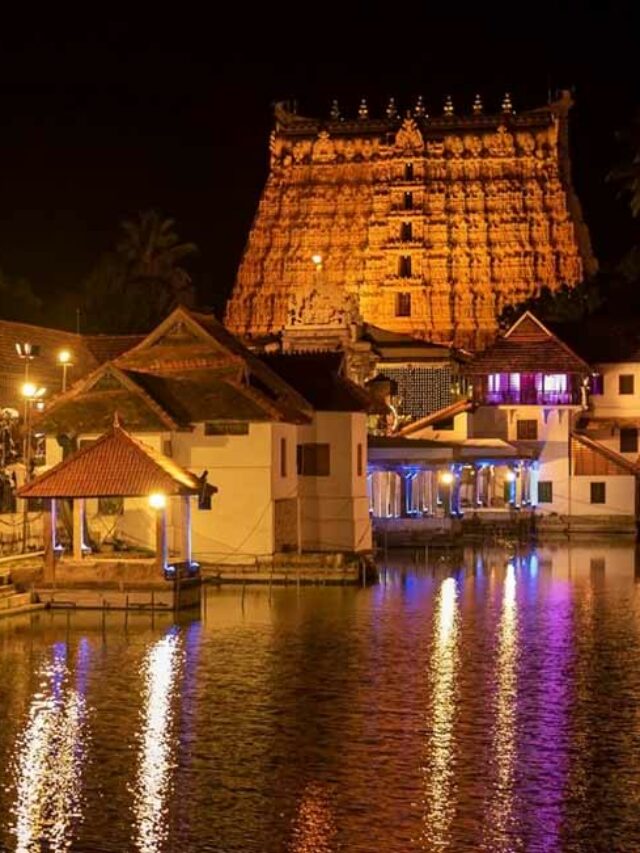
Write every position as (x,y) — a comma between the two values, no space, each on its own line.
(627,172)
(152,253)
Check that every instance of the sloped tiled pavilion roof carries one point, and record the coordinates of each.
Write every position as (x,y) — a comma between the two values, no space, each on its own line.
(116,465)
(188,370)
(528,347)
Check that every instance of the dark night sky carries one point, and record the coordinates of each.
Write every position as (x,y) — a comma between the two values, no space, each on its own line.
(101,118)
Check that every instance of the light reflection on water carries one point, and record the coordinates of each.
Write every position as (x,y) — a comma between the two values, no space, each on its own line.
(502,826)
(439,771)
(49,758)
(156,760)
(483,704)
(314,829)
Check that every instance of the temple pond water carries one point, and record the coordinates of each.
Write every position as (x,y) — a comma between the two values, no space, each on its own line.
(489,703)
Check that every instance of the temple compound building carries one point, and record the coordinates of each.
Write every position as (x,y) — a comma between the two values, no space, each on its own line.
(421,225)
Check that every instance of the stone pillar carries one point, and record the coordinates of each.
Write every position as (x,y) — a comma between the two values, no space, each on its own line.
(161,538)
(405,485)
(517,488)
(49,535)
(185,528)
(78,528)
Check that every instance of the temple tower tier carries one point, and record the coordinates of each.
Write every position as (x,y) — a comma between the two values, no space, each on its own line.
(426,226)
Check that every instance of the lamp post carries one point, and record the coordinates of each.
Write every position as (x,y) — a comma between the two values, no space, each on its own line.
(31,393)
(64,360)
(27,351)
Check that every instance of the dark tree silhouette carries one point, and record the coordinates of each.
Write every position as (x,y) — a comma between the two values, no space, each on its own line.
(134,287)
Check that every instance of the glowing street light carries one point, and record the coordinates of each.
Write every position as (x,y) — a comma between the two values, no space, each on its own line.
(64,360)
(316,260)
(446,478)
(510,476)
(30,391)
(27,351)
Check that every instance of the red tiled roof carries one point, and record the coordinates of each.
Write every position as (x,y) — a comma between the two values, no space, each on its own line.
(603,450)
(109,347)
(451,411)
(116,465)
(318,377)
(528,347)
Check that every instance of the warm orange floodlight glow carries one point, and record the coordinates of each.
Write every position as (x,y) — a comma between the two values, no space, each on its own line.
(157,500)
(64,356)
(446,478)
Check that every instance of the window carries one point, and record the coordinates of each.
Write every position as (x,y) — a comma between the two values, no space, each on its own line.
(283,457)
(628,440)
(625,383)
(403,304)
(408,172)
(545,492)
(226,428)
(408,201)
(447,423)
(406,232)
(404,266)
(598,493)
(554,382)
(359,460)
(314,460)
(110,506)
(527,430)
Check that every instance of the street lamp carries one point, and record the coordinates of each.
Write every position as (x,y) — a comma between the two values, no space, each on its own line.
(28,352)
(64,360)
(31,393)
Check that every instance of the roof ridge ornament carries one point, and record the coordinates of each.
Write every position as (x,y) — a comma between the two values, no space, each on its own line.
(448,107)
(363,110)
(419,110)
(477,105)
(392,110)
(116,420)
(507,106)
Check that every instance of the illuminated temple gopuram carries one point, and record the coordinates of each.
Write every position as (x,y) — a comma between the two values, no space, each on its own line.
(423,225)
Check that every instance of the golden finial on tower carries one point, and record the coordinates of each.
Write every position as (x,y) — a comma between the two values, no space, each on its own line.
(334,112)
(363,109)
(477,105)
(448,106)
(392,111)
(419,110)
(507,106)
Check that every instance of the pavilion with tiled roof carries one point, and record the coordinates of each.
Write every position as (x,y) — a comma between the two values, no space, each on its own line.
(118,465)
(188,370)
